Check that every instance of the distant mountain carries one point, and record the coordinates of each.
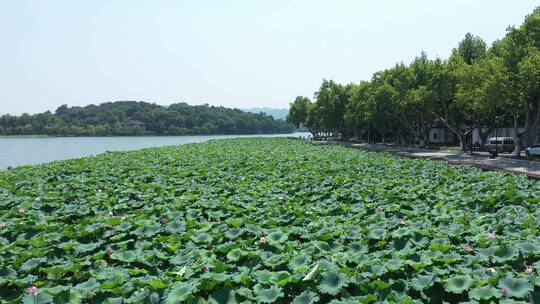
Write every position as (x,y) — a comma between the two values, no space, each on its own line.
(276,113)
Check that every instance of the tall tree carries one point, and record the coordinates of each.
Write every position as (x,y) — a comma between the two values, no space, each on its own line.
(298,111)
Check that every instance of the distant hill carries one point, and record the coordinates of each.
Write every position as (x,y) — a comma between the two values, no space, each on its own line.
(276,113)
(141,118)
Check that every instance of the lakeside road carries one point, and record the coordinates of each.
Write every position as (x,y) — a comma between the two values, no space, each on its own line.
(479,160)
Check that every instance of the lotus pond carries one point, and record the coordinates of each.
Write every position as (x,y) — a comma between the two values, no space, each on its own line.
(266,220)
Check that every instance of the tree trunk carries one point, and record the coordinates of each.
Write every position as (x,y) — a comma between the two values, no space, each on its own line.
(382,137)
(529,126)
(484,135)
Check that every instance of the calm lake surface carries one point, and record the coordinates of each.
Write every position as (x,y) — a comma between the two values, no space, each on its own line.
(18,151)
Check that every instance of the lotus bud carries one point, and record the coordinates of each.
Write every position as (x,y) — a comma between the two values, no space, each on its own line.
(110,213)
(491,235)
(206,269)
(109,250)
(528,270)
(32,290)
(262,240)
(21,210)
(504,291)
(402,222)
(2,224)
(492,270)
(163,220)
(469,248)
(379,209)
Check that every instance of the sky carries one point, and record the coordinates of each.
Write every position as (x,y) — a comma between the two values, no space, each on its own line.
(234,53)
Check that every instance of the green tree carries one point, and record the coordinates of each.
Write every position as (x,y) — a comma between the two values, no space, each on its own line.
(298,111)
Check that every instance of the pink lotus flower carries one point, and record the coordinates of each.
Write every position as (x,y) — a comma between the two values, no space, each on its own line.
(262,240)
(2,224)
(528,270)
(21,210)
(491,235)
(469,248)
(98,190)
(402,222)
(504,291)
(109,250)
(492,270)
(379,209)
(206,269)
(32,290)
(110,213)
(163,220)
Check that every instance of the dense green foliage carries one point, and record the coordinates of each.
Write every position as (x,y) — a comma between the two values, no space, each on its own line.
(141,118)
(476,87)
(266,220)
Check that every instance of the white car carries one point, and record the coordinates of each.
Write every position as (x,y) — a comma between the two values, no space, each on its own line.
(533,150)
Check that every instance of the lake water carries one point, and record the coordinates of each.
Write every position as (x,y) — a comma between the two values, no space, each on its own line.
(18,151)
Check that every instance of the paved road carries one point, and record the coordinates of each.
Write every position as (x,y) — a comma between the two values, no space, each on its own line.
(481,159)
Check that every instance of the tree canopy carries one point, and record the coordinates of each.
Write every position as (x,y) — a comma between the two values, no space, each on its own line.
(141,118)
(477,87)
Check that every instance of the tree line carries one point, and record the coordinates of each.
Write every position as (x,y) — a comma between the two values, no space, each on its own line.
(141,118)
(477,87)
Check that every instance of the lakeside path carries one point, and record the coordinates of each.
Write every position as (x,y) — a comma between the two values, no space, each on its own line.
(504,164)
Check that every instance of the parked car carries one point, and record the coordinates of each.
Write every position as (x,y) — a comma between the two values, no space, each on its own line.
(533,150)
(501,144)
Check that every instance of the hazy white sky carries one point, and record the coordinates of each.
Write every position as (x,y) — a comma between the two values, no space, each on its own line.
(235,53)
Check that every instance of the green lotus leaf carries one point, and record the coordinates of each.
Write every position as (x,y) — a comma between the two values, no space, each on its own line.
(253,229)
(331,282)
(458,284)
(83,248)
(222,295)
(180,291)
(29,265)
(233,233)
(180,259)
(124,226)
(269,295)
(504,253)
(157,283)
(281,278)
(510,301)
(529,248)
(202,238)
(124,256)
(377,233)
(71,296)
(56,289)
(306,297)
(276,238)
(299,261)
(421,282)
(113,301)
(176,227)
(235,254)
(89,287)
(484,293)
(264,276)
(516,287)
(40,298)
